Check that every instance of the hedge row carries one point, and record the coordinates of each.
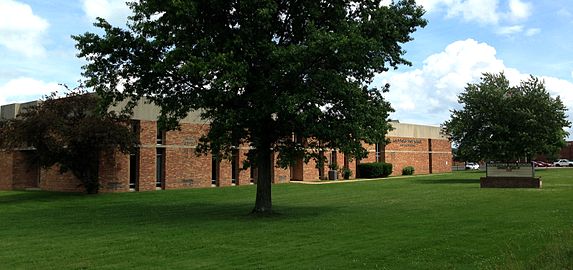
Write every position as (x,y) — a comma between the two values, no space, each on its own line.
(374,170)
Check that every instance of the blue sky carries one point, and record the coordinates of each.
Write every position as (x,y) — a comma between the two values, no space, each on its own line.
(463,39)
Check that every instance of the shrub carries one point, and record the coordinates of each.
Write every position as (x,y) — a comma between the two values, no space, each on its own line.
(374,170)
(408,170)
(346,173)
(333,166)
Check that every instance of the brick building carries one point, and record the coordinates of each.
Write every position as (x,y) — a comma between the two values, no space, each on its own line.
(167,160)
(567,151)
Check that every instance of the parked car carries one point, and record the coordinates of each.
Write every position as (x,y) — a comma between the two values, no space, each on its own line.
(538,163)
(472,166)
(563,163)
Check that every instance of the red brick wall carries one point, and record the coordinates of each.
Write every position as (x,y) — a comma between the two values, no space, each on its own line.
(225,173)
(244,175)
(297,170)
(352,167)
(114,172)
(146,181)
(25,173)
(113,175)
(16,171)
(402,152)
(52,180)
(184,169)
(399,160)
(147,132)
(147,153)
(371,149)
(441,156)
(6,173)
(280,175)
(310,172)
(441,163)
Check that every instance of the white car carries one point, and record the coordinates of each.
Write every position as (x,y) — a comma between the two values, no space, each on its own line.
(563,163)
(472,166)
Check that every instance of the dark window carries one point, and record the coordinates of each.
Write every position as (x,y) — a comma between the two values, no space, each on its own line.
(333,158)
(321,168)
(214,170)
(134,158)
(160,135)
(160,170)
(380,152)
(134,169)
(234,167)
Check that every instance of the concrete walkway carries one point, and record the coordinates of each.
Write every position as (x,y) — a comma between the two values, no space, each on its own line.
(340,181)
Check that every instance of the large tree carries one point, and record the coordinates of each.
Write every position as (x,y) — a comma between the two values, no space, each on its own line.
(502,122)
(70,132)
(261,71)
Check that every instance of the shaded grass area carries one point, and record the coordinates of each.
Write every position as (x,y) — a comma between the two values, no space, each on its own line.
(429,222)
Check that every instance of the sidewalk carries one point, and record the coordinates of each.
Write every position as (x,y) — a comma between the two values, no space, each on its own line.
(340,181)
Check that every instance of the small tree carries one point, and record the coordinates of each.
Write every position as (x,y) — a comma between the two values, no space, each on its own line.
(70,132)
(506,123)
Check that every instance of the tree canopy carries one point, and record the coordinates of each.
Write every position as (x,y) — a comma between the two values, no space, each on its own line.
(69,132)
(261,71)
(506,123)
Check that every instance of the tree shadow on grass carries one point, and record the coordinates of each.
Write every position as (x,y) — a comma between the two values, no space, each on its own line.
(14,197)
(449,181)
(112,213)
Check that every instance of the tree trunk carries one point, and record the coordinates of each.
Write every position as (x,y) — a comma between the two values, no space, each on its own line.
(263,204)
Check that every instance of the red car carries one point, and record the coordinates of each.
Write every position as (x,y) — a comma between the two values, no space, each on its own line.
(541,164)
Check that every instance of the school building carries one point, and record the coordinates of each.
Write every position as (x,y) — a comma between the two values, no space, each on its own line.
(167,160)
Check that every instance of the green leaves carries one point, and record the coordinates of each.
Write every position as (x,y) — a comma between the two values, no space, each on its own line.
(261,70)
(503,122)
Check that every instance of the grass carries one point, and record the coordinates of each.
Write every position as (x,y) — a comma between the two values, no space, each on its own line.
(429,222)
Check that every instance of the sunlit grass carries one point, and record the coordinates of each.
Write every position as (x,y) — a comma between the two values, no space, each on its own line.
(429,222)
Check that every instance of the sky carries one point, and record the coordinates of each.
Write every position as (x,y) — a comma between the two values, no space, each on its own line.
(463,39)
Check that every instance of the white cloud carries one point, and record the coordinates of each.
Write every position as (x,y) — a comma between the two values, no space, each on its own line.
(385,3)
(532,32)
(486,12)
(562,88)
(20,29)
(25,89)
(509,30)
(519,10)
(114,11)
(564,13)
(481,11)
(426,95)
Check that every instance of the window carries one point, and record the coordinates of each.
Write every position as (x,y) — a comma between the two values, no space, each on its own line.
(133,170)
(333,159)
(380,152)
(214,171)
(235,167)
(160,136)
(160,169)
(134,158)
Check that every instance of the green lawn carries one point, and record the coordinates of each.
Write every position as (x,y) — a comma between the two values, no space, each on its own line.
(429,222)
